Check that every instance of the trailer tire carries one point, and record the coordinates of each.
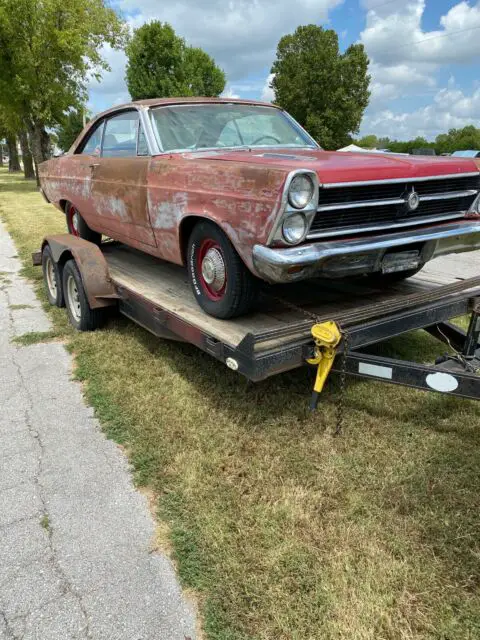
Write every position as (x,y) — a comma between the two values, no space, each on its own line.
(221,283)
(52,278)
(81,316)
(77,226)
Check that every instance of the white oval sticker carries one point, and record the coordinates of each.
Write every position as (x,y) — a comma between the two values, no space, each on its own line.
(442,382)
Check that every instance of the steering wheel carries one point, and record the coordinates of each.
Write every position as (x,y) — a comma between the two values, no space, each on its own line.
(263,138)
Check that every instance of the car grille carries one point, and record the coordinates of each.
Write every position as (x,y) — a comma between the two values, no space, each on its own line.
(377,207)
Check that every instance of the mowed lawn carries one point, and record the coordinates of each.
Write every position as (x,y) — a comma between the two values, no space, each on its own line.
(281,530)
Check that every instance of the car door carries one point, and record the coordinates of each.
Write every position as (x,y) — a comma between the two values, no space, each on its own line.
(119,181)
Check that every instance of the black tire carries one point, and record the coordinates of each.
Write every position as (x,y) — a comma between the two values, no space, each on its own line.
(240,289)
(81,316)
(77,226)
(52,278)
(392,278)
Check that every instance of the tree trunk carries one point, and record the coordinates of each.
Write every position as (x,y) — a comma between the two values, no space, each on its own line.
(1,154)
(13,162)
(39,144)
(28,169)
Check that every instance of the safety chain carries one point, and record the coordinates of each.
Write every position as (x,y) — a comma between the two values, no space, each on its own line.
(340,405)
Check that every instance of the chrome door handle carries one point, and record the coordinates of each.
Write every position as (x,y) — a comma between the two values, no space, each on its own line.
(95,164)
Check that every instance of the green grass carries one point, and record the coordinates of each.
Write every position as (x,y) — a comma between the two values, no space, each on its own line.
(282,531)
(34,337)
(18,307)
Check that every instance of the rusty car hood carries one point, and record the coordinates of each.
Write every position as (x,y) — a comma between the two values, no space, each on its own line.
(336,166)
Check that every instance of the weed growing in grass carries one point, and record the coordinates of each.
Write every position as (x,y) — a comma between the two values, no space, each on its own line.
(34,337)
(18,307)
(285,532)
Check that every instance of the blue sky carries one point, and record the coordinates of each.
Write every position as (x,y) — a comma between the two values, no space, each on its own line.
(424,53)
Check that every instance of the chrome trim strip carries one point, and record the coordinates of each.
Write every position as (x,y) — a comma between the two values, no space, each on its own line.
(452,194)
(357,205)
(346,231)
(387,201)
(447,176)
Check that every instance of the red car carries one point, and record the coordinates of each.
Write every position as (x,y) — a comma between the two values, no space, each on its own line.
(238,192)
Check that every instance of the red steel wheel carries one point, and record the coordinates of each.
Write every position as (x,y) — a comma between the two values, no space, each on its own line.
(221,283)
(73,220)
(212,269)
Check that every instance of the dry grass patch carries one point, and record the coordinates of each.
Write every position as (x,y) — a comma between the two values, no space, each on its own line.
(285,532)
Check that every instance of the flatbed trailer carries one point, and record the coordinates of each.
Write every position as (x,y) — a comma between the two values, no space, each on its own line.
(277,337)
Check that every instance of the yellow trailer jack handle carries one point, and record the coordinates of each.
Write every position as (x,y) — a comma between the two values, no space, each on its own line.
(327,337)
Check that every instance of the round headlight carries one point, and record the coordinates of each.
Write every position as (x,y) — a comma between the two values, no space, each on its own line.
(301,191)
(294,228)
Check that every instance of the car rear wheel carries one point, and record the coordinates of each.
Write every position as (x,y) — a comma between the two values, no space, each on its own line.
(78,227)
(221,283)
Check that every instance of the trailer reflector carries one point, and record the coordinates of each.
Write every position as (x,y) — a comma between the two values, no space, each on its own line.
(443,382)
(375,370)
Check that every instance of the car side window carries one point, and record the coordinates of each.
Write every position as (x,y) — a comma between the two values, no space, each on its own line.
(142,146)
(120,137)
(93,144)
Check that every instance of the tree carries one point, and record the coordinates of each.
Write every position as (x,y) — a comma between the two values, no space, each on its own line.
(327,92)
(160,64)
(71,127)
(13,161)
(27,159)
(458,140)
(368,142)
(48,49)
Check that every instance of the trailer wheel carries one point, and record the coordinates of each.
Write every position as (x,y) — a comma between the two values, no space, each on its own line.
(81,316)
(78,227)
(52,278)
(221,283)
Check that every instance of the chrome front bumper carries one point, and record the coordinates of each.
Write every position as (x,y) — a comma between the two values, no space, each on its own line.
(357,256)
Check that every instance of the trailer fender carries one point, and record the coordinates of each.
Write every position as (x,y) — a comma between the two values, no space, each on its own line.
(90,262)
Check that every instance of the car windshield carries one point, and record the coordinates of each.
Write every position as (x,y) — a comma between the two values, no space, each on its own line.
(218,126)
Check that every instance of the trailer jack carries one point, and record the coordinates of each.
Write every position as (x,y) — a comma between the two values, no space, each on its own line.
(327,337)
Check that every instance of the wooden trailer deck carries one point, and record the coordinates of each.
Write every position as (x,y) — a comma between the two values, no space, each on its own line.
(275,321)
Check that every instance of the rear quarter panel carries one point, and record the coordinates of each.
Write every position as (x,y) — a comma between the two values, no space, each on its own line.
(68,178)
(241,198)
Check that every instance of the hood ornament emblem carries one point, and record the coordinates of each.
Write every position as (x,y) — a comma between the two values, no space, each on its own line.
(412,201)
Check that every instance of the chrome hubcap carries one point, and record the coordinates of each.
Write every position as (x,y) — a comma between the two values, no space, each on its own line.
(213,269)
(73,299)
(51,279)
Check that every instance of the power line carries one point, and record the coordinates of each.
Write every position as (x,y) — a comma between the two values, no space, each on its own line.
(442,35)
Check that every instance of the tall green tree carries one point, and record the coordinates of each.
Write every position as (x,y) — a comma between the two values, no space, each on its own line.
(70,127)
(160,64)
(326,91)
(458,140)
(48,49)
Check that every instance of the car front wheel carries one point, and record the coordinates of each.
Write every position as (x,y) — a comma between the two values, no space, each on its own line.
(221,283)
(78,227)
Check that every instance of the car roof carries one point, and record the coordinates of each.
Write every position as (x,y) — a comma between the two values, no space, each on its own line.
(159,102)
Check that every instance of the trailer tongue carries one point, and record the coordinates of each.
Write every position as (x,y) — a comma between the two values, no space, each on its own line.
(324,323)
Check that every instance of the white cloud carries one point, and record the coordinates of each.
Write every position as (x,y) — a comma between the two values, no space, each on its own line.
(230,93)
(393,34)
(241,35)
(450,108)
(267,91)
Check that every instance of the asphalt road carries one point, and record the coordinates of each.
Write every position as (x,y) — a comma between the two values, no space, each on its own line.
(75,550)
